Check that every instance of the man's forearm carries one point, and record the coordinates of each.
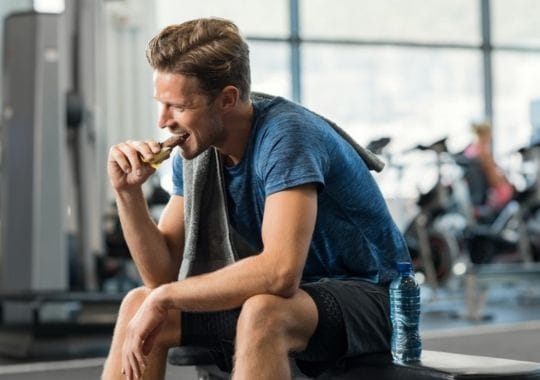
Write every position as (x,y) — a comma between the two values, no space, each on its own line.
(146,244)
(227,288)
(287,231)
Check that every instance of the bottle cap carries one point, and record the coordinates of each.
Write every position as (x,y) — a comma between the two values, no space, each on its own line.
(404,267)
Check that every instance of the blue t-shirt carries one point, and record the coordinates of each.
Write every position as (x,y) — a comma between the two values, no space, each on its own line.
(355,236)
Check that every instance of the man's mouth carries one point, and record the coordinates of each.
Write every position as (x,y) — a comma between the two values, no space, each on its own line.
(175,140)
(184,137)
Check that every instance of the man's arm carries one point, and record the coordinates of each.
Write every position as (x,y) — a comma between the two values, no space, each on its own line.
(155,249)
(288,224)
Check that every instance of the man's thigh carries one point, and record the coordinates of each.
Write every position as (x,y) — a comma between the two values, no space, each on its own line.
(341,319)
(353,319)
(298,314)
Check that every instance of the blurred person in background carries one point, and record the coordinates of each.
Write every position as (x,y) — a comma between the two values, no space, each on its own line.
(493,190)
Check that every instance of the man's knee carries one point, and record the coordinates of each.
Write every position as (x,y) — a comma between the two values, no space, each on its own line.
(133,300)
(169,335)
(287,323)
(263,317)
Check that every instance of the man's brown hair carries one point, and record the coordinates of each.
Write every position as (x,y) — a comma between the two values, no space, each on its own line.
(209,49)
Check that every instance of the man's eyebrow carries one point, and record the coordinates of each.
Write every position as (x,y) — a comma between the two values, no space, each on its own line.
(185,103)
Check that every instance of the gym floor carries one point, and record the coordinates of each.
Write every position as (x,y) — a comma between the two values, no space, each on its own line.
(509,327)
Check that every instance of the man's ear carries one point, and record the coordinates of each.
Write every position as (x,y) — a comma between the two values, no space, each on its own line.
(230,96)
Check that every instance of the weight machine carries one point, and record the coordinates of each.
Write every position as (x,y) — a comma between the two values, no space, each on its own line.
(50,219)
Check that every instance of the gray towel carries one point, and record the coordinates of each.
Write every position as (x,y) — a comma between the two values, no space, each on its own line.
(211,242)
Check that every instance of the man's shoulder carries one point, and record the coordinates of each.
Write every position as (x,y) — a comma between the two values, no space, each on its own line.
(277,115)
(270,106)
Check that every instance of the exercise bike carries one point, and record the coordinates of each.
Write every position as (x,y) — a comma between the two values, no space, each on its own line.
(435,234)
(511,234)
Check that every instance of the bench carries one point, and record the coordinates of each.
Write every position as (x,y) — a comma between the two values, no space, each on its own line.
(211,365)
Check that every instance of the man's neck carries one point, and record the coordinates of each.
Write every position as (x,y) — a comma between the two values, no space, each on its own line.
(237,132)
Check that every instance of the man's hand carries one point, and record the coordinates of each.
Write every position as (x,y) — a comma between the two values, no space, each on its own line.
(140,336)
(125,167)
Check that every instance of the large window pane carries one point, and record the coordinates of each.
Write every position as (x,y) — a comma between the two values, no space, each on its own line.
(411,95)
(259,18)
(270,69)
(416,20)
(516,22)
(515,79)
(416,95)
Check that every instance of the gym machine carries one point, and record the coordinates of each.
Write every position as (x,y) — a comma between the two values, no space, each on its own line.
(49,304)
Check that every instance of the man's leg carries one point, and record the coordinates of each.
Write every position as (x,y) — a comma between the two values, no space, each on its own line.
(269,328)
(169,337)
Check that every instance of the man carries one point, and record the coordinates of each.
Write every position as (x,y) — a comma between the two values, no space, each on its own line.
(296,191)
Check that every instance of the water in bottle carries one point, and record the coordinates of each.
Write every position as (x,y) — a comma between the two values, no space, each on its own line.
(406,344)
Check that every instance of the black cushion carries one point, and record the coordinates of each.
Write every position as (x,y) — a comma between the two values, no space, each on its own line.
(434,365)
(219,355)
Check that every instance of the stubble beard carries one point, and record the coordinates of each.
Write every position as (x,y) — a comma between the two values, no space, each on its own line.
(204,145)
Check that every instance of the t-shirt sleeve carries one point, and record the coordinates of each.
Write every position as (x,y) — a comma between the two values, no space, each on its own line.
(177,175)
(292,154)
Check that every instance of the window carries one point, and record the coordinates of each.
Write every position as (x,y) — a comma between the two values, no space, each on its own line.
(454,21)
(270,68)
(254,18)
(514,75)
(413,70)
(413,95)
(516,23)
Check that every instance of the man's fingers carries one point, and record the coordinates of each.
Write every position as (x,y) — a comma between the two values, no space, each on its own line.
(129,155)
(139,357)
(135,152)
(117,156)
(136,361)
(126,366)
(147,149)
(155,146)
(131,152)
(149,342)
(134,367)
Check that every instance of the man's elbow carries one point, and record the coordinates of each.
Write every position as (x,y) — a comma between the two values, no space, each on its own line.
(149,284)
(156,282)
(285,284)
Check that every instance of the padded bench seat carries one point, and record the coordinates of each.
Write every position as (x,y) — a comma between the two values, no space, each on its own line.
(439,365)
(434,365)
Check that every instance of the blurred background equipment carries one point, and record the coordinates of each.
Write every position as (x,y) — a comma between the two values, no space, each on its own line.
(50,221)
(34,155)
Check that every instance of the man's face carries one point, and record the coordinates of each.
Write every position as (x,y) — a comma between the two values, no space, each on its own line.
(184,110)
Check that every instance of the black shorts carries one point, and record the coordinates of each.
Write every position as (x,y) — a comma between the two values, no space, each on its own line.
(353,320)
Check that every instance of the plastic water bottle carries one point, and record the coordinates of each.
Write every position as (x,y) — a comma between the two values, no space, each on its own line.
(405,315)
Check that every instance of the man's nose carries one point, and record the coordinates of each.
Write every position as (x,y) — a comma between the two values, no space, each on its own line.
(164,119)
